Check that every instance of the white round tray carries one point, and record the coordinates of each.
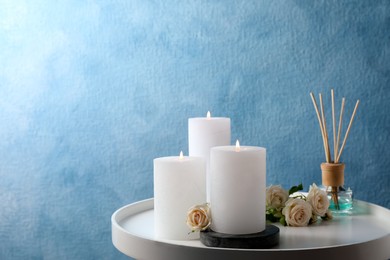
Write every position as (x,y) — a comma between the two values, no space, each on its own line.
(365,234)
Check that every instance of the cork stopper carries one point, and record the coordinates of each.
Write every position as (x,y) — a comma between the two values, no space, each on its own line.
(332,174)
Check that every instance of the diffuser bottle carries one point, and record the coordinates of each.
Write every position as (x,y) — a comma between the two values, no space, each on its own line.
(333,183)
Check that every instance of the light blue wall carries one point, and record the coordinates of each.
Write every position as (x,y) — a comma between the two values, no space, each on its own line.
(92,91)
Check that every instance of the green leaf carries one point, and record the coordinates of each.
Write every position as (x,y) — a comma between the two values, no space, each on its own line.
(271,218)
(282,221)
(294,189)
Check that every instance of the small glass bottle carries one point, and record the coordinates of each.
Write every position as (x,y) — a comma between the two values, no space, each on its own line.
(333,183)
(340,199)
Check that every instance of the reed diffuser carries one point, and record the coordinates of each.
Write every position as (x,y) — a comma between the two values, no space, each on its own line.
(333,170)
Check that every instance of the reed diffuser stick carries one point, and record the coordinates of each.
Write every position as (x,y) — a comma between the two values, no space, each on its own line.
(319,120)
(349,128)
(334,125)
(328,157)
(339,130)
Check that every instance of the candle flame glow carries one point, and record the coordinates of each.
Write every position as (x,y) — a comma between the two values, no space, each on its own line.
(208,115)
(181,155)
(237,146)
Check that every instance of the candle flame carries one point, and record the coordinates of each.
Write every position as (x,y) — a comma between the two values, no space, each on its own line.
(208,115)
(181,155)
(237,146)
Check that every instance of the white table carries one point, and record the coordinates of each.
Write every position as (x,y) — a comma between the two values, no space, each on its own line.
(364,234)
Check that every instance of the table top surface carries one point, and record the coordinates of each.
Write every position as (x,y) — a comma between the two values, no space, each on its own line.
(366,226)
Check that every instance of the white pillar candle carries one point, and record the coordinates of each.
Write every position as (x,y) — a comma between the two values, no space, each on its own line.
(179,183)
(204,133)
(237,190)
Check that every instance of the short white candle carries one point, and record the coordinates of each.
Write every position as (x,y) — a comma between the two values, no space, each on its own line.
(179,183)
(237,190)
(204,133)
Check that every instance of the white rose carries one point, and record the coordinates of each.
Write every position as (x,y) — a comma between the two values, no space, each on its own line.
(297,212)
(199,217)
(276,197)
(318,200)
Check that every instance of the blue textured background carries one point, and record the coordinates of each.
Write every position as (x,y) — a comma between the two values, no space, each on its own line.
(92,91)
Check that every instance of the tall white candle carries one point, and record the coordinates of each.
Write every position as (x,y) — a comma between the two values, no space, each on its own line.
(237,190)
(179,183)
(204,133)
